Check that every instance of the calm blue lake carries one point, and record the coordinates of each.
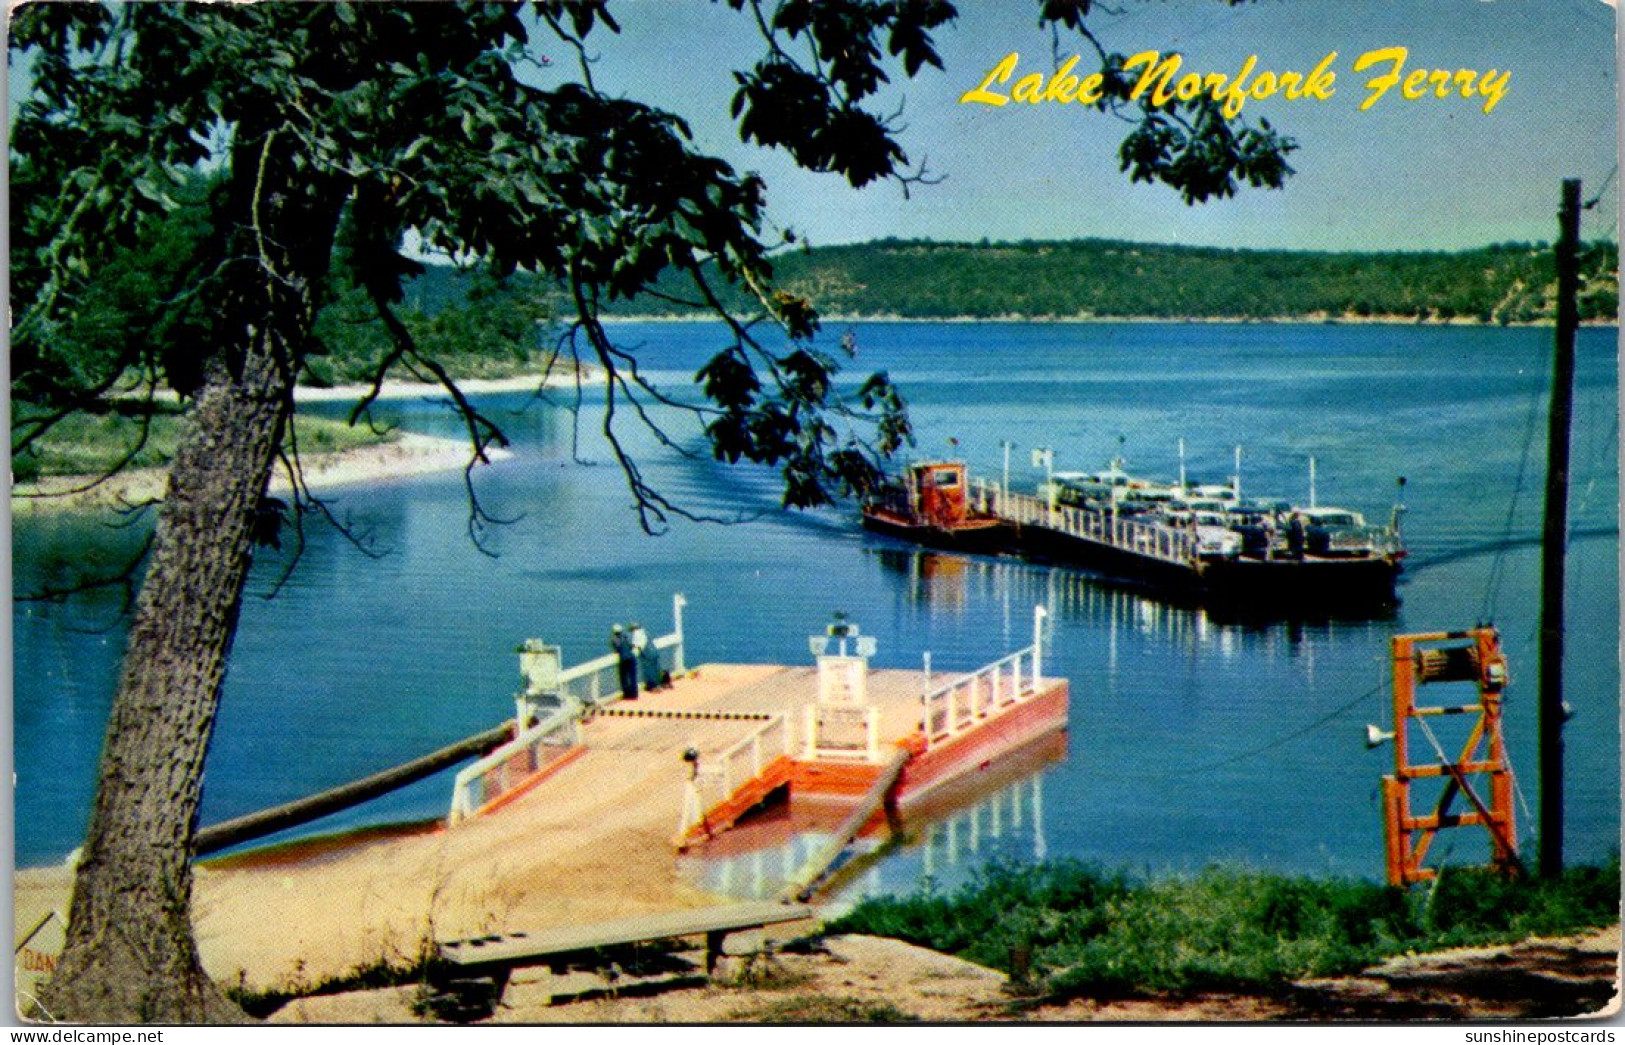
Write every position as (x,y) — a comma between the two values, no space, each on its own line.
(1192,740)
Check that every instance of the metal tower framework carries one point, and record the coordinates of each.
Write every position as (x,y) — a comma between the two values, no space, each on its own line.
(1458,656)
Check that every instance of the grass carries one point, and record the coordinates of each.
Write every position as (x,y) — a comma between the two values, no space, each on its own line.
(822,1008)
(373,976)
(84,444)
(1089,932)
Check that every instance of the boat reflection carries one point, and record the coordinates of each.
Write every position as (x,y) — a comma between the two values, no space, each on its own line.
(994,814)
(945,582)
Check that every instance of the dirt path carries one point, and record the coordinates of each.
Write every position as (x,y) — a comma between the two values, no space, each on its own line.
(872,980)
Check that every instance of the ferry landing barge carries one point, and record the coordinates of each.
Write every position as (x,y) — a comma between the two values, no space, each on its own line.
(725,738)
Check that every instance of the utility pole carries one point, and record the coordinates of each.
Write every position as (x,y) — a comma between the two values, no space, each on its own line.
(1555,538)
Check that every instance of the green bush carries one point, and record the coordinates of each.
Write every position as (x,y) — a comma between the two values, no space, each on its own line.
(91,444)
(1091,932)
(1472,905)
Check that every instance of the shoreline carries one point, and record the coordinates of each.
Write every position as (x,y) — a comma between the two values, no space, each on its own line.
(398,390)
(407,455)
(1313,319)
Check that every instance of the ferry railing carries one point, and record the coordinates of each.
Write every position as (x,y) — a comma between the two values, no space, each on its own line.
(955,706)
(581,689)
(1150,539)
(508,767)
(986,498)
(1379,540)
(718,777)
(837,733)
(597,682)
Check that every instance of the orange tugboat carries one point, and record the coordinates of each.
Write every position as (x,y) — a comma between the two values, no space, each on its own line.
(931,505)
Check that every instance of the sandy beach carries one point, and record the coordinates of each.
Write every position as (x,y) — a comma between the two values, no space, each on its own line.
(593,844)
(407,454)
(429,390)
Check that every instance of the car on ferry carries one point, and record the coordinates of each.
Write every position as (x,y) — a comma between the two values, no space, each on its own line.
(1335,532)
(1214,537)
(1088,489)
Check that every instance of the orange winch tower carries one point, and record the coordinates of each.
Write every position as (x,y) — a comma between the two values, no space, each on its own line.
(1457,656)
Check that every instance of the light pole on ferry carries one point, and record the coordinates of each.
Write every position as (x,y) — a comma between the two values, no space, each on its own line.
(1046,456)
(1004,487)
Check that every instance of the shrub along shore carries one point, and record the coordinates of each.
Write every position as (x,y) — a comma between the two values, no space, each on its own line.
(82,447)
(1064,929)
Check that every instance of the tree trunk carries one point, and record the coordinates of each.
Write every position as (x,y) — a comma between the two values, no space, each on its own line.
(130,954)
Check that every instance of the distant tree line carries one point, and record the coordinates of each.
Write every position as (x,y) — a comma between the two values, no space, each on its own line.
(488,328)
(920,279)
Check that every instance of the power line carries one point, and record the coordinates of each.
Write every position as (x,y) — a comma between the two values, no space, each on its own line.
(1185,772)
(1295,734)
(1592,202)
(1492,587)
(1608,217)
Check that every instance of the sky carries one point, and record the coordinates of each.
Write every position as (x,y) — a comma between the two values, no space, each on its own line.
(1425,174)
(1418,174)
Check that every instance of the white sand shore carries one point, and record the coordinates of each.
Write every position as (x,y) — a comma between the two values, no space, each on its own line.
(408,454)
(429,390)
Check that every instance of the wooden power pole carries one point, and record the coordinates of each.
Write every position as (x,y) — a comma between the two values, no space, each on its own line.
(1555,539)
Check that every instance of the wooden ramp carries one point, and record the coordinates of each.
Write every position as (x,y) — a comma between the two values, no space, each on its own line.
(468,980)
(498,954)
(882,793)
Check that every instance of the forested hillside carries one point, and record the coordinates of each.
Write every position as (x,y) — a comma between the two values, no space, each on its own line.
(1506,283)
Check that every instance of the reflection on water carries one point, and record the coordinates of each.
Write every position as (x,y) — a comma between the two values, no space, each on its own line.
(993,814)
(945,582)
(1196,738)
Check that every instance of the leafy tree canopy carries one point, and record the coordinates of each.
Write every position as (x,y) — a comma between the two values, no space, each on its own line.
(389,119)
(305,141)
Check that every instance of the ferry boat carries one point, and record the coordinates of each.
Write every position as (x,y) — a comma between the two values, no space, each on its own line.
(930,504)
(1205,544)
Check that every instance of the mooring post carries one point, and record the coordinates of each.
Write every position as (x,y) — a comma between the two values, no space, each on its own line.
(678,665)
(925,702)
(1004,483)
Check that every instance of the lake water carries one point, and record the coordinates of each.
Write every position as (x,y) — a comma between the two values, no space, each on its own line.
(1192,740)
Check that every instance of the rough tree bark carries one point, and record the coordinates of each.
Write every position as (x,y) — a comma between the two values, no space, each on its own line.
(130,954)
(134,881)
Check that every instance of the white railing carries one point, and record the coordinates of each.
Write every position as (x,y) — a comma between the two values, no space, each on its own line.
(582,688)
(953,707)
(597,682)
(986,497)
(1150,539)
(718,777)
(511,765)
(958,705)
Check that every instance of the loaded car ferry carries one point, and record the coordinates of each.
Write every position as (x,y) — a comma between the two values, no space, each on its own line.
(1204,543)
